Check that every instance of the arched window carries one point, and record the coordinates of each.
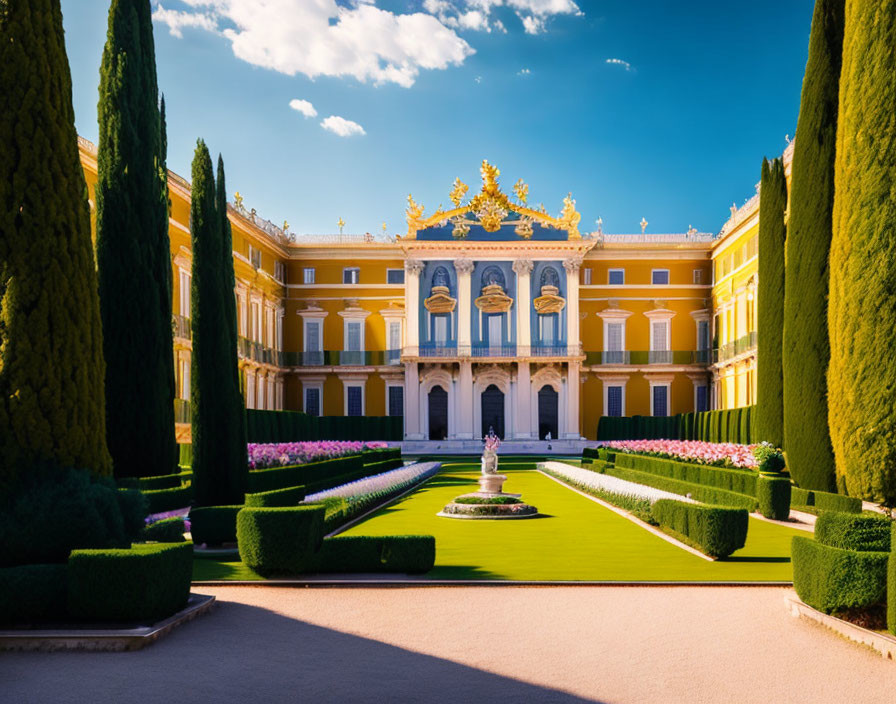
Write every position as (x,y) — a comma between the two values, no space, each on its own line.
(440,277)
(550,277)
(493,275)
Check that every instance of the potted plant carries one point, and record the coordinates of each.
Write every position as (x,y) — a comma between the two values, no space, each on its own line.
(770,459)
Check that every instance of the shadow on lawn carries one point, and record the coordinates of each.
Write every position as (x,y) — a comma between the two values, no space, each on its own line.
(754,558)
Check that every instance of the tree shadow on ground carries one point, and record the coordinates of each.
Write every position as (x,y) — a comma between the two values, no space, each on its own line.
(241,653)
(753,558)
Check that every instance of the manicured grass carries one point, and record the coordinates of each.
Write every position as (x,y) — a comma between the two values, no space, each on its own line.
(577,540)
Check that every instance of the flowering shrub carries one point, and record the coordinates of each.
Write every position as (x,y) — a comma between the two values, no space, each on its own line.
(768,457)
(719,454)
(264,456)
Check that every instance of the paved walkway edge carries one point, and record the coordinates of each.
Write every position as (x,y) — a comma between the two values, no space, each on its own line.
(881,642)
(103,639)
(423,582)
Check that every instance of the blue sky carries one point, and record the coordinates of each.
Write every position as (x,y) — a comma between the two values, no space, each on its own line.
(674,134)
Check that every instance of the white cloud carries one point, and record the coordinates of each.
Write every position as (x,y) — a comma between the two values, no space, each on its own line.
(177,20)
(477,14)
(342,127)
(619,62)
(533,24)
(523,72)
(323,38)
(304,107)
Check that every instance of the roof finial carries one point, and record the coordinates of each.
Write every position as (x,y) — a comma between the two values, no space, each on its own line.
(644,224)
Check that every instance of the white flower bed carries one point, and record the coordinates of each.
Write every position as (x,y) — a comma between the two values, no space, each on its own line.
(379,484)
(612,485)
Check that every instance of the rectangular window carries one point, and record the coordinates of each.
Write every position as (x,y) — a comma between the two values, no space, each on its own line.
(495,333)
(255,257)
(614,343)
(394,276)
(308,275)
(393,351)
(269,327)
(659,277)
(661,400)
(312,336)
(256,322)
(354,401)
(259,394)
(312,401)
(698,276)
(548,323)
(280,271)
(616,277)
(350,275)
(185,283)
(614,401)
(440,329)
(396,401)
(659,341)
(586,277)
(702,399)
(353,336)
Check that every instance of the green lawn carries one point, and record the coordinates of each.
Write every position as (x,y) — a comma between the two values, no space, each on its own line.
(576,539)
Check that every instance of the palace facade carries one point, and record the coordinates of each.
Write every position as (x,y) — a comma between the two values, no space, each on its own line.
(491,314)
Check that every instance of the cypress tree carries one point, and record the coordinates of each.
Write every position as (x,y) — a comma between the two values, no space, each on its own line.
(133,252)
(772,234)
(806,351)
(862,304)
(51,356)
(215,478)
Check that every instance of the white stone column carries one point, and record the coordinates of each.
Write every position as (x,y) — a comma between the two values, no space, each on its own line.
(464,269)
(412,402)
(523,417)
(572,266)
(523,269)
(573,392)
(413,269)
(465,402)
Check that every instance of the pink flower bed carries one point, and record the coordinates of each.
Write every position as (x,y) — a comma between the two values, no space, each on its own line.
(721,454)
(263,456)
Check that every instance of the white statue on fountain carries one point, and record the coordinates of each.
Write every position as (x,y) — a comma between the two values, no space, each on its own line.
(490,454)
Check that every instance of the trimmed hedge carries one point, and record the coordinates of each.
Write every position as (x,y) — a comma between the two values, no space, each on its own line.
(714,530)
(144,584)
(314,476)
(731,425)
(773,494)
(213,525)
(293,426)
(818,501)
(278,497)
(388,453)
(850,531)
(383,466)
(280,540)
(705,494)
(410,554)
(891,585)
(186,455)
(159,500)
(740,481)
(32,593)
(164,481)
(830,579)
(168,530)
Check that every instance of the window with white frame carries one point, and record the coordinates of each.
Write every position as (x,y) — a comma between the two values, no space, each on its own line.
(616,277)
(615,403)
(701,398)
(659,277)
(280,271)
(255,257)
(308,275)
(312,401)
(354,399)
(440,328)
(256,321)
(393,350)
(395,401)
(586,277)
(313,341)
(394,276)
(659,400)
(698,276)
(269,327)
(351,275)
(614,342)
(185,283)
(547,332)
(354,335)
(659,342)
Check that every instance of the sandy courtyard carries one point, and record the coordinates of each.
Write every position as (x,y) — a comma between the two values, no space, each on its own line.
(552,644)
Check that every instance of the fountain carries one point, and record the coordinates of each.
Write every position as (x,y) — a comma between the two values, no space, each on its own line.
(490,501)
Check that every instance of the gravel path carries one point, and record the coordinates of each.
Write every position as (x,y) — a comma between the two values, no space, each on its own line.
(471,644)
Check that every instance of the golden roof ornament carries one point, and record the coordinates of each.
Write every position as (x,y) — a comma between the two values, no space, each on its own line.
(644,225)
(341,223)
(522,191)
(550,301)
(570,217)
(238,200)
(458,192)
(285,227)
(414,215)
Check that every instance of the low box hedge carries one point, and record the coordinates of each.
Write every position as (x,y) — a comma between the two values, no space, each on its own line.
(168,530)
(409,554)
(830,579)
(160,500)
(278,497)
(714,530)
(213,525)
(773,494)
(811,501)
(740,481)
(314,476)
(280,540)
(389,453)
(891,585)
(705,494)
(144,584)
(853,531)
(384,466)
(33,593)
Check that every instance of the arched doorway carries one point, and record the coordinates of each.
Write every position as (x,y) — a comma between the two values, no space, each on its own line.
(548,407)
(493,411)
(438,413)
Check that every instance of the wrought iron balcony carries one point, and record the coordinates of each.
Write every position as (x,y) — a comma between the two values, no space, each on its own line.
(741,345)
(181,327)
(257,352)
(647,357)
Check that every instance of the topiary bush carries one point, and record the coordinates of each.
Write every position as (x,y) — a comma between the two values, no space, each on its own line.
(278,497)
(773,494)
(714,530)
(850,531)
(891,585)
(830,579)
(410,554)
(54,511)
(705,494)
(280,540)
(818,501)
(168,530)
(145,583)
(213,525)
(161,500)
(32,593)
(740,481)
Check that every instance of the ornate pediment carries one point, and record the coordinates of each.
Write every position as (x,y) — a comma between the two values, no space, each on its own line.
(440,301)
(491,209)
(494,300)
(550,301)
